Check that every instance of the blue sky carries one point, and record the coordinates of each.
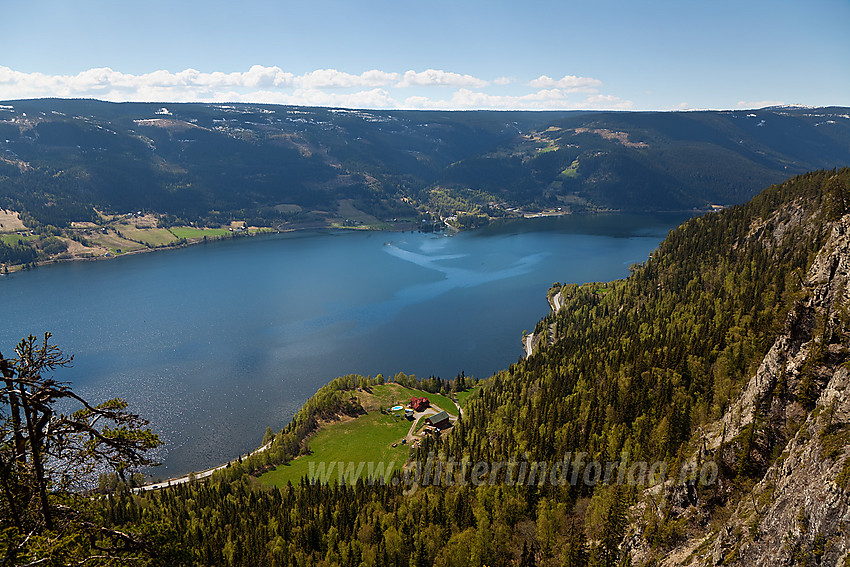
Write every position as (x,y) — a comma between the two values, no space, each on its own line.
(609,54)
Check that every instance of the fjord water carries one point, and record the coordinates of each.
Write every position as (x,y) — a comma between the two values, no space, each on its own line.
(215,342)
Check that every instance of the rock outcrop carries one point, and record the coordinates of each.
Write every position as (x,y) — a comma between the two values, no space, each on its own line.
(792,425)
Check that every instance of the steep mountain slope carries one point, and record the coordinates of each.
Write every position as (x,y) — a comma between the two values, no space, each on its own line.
(652,160)
(214,163)
(59,158)
(728,353)
(796,406)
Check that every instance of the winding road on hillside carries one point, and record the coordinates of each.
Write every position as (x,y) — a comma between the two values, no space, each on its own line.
(556,302)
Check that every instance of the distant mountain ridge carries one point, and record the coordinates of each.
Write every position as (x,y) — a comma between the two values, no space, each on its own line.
(61,159)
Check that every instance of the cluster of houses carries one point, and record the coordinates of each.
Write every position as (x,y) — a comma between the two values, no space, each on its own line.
(439,420)
(434,423)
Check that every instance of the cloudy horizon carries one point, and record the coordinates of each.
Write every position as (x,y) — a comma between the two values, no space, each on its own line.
(432,89)
(440,54)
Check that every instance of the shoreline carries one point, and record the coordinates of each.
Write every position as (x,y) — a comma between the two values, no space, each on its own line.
(410,436)
(192,476)
(447,229)
(194,241)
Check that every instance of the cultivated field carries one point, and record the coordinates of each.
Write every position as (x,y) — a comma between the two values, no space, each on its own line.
(114,243)
(189,232)
(150,236)
(13,238)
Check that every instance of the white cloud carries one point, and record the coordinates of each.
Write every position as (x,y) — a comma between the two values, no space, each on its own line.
(435,77)
(163,85)
(569,83)
(758,103)
(544,99)
(322,87)
(265,77)
(374,98)
(331,78)
(600,101)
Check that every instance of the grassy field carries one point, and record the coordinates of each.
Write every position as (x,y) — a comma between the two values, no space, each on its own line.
(10,221)
(192,232)
(393,394)
(149,236)
(571,171)
(12,239)
(288,208)
(462,397)
(114,243)
(347,210)
(368,438)
(352,217)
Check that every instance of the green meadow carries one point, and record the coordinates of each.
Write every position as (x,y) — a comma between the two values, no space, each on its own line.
(192,232)
(463,396)
(393,394)
(365,439)
(150,236)
(12,239)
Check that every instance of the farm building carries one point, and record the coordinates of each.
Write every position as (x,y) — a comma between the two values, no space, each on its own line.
(440,420)
(419,404)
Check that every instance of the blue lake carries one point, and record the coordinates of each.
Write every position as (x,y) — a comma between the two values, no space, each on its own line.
(215,342)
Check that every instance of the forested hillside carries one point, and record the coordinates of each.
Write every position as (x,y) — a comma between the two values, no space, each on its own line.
(669,417)
(212,163)
(64,160)
(654,160)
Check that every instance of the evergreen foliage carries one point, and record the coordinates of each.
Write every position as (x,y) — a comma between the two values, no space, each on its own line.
(211,164)
(47,458)
(635,368)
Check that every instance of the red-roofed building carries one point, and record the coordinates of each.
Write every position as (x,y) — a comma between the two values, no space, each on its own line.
(419,404)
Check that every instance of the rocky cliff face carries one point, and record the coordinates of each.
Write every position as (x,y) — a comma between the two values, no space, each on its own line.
(790,427)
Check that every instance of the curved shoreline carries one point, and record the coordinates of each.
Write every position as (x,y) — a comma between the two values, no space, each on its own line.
(400,227)
(177,246)
(189,477)
(206,473)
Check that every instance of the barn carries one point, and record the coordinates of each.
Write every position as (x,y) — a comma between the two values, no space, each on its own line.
(440,420)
